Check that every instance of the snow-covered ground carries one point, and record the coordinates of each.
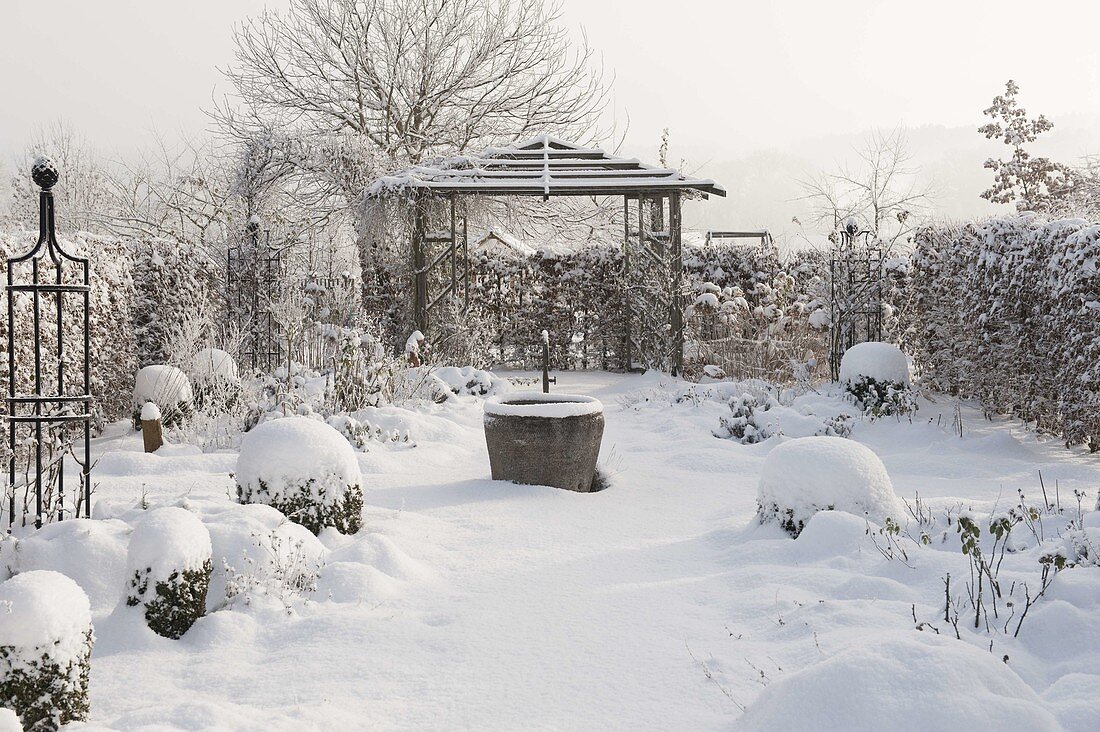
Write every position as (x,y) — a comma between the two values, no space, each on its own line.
(659,603)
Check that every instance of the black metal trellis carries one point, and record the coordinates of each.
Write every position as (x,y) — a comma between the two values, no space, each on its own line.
(47,415)
(855,293)
(254,278)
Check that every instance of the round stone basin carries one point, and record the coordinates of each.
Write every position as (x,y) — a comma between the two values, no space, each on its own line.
(544,439)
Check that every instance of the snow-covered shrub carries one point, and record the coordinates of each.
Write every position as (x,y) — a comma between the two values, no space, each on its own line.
(305,469)
(217,389)
(45,649)
(838,426)
(287,572)
(811,474)
(359,431)
(470,381)
(877,377)
(168,568)
(168,388)
(262,555)
(742,424)
(755,419)
(213,363)
(362,372)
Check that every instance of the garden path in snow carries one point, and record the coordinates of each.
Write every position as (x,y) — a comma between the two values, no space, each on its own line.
(657,604)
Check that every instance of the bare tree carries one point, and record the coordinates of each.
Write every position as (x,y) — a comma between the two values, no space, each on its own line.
(882,191)
(414,77)
(82,192)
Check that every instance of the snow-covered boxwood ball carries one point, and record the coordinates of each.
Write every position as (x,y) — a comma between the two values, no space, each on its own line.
(811,474)
(877,376)
(167,387)
(168,567)
(46,643)
(305,469)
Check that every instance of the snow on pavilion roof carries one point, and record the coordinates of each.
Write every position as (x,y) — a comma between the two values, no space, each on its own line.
(544,166)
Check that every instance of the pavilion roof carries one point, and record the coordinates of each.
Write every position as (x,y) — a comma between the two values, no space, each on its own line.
(542,166)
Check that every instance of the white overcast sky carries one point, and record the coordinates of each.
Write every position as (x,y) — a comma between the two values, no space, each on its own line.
(779,84)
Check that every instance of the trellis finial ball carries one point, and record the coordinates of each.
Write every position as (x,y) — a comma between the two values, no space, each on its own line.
(44,172)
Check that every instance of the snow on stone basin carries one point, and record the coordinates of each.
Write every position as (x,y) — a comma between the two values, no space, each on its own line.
(41,608)
(212,363)
(9,721)
(291,451)
(879,361)
(167,540)
(164,385)
(537,404)
(902,682)
(811,474)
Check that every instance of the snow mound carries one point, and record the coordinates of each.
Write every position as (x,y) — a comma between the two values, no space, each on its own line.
(537,404)
(149,412)
(883,362)
(914,682)
(213,363)
(44,609)
(811,474)
(168,540)
(166,386)
(258,541)
(90,552)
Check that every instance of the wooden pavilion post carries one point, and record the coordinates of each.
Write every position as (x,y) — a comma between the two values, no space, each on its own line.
(676,299)
(419,261)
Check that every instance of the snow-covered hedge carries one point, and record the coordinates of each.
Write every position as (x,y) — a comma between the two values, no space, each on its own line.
(811,474)
(305,469)
(579,297)
(45,649)
(877,377)
(1008,311)
(168,388)
(168,568)
(113,343)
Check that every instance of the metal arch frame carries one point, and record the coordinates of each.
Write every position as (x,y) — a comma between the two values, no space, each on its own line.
(68,409)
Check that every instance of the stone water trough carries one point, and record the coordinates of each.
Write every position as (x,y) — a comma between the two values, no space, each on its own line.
(545,439)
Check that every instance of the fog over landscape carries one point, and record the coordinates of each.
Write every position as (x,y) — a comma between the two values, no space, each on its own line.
(756,96)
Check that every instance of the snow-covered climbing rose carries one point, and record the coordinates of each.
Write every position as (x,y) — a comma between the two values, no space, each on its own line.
(305,469)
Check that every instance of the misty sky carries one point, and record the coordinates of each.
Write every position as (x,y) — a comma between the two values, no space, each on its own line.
(755,94)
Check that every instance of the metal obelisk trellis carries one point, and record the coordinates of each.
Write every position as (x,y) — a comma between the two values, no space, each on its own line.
(40,420)
(855,293)
(254,278)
